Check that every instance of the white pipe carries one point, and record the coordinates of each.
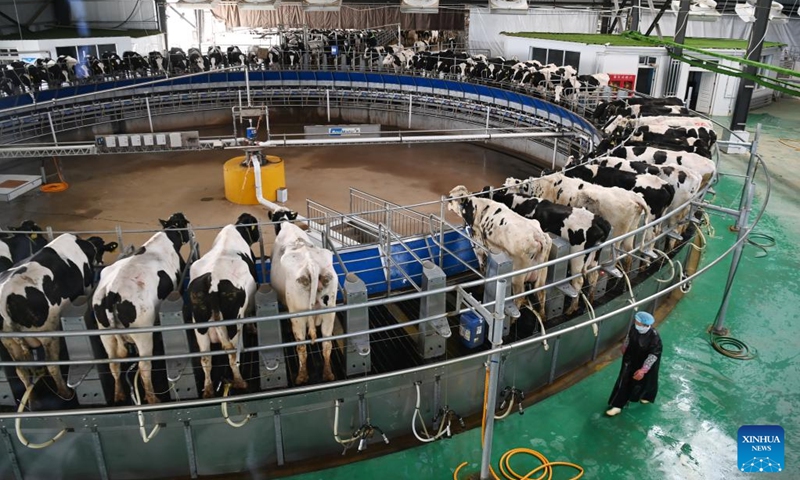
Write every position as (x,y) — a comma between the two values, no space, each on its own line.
(336,427)
(145,436)
(259,194)
(224,407)
(407,139)
(18,423)
(247,83)
(443,430)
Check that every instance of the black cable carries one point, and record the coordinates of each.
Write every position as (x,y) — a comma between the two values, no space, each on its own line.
(129,16)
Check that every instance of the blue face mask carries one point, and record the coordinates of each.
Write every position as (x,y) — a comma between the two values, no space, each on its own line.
(642,329)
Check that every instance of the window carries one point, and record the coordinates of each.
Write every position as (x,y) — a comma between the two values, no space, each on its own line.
(649,61)
(86,50)
(558,57)
(111,48)
(67,51)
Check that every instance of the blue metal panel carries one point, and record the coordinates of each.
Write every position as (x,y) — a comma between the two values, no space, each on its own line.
(374,78)
(461,250)
(312,76)
(289,76)
(403,260)
(366,264)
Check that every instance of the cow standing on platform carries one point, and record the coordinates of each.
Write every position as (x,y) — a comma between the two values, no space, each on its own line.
(129,293)
(32,295)
(578,226)
(304,279)
(496,226)
(15,247)
(222,287)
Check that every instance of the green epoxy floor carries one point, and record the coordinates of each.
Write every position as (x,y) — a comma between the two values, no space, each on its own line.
(690,432)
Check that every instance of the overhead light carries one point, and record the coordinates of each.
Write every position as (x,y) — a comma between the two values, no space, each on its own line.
(747,12)
(699,10)
(322,5)
(259,4)
(419,6)
(511,7)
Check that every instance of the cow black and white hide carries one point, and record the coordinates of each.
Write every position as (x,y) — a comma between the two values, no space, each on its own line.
(216,59)
(292,57)
(33,293)
(222,287)
(304,279)
(699,164)
(135,62)
(274,57)
(128,294)
(113,63)
(21,244)
(235,57)
(374,55)
(693,140)
(195,60)
(496,226)
(178,62)
(683,180)
(622,209)
(657,193)
(157,63)
(702,125)
(607,110)
(578,226)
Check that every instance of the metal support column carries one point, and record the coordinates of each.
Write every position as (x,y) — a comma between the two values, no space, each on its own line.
(498,263)
(180,372)
(680,25)
(746,86)
(635,16)
(357,354)
(52,128)
(432,335)
(12,455)
(150,116)
(190,450)
(84,379)
(745,204)
(99,455)
(6,393)
(278,438)
(496,322)
(273,371)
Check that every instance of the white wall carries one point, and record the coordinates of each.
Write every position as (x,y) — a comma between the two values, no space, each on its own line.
(485,27)
(521,47)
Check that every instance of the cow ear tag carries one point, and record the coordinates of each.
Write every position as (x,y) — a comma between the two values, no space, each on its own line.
(34,236)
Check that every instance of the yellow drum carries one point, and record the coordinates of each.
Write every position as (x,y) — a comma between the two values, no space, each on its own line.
(240,181)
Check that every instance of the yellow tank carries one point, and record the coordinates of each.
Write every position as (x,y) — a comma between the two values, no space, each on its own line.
(240,181)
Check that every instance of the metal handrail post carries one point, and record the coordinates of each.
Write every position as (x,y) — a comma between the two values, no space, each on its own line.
(496,323)
(745,205)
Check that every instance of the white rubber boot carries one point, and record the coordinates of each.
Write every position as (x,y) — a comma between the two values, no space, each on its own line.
(613,411)
(644,401)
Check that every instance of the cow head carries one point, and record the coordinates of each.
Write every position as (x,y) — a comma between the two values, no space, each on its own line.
(281,215)
(95,247)
(247,226)
(462,205)
(28,226)
(177,229)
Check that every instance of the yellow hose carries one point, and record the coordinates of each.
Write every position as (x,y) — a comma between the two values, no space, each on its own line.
(18,423)
(505,460)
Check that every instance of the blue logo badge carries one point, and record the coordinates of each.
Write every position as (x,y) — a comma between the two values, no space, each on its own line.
(760,448)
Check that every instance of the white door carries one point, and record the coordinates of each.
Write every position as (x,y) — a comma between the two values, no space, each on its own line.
(705,95)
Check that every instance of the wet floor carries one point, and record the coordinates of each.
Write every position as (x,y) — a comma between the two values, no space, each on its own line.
(704,397)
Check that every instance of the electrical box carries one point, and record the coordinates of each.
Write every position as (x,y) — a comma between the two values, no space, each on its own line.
(136,141)
(111,142)
(122,141)
(175,140)
(161,139)
(147,140)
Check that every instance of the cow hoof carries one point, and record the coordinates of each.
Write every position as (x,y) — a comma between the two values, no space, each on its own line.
(328,377)
(240,384)
(119,398)
(301,379)
(65,394)
(208,392)
(151,399)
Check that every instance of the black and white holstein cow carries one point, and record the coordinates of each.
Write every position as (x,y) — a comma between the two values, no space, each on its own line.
(578,226)
(128,294)
(223,287)
(304,279)
(684,181)
(621,208)
(32,295)
(626,107)
(697,163)
(497,226)
(15,247)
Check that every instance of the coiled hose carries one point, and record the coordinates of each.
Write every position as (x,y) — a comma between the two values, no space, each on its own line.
(546,468)
(58,186)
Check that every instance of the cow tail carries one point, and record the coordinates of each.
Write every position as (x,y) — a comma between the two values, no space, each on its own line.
(313,270)
(646,211)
